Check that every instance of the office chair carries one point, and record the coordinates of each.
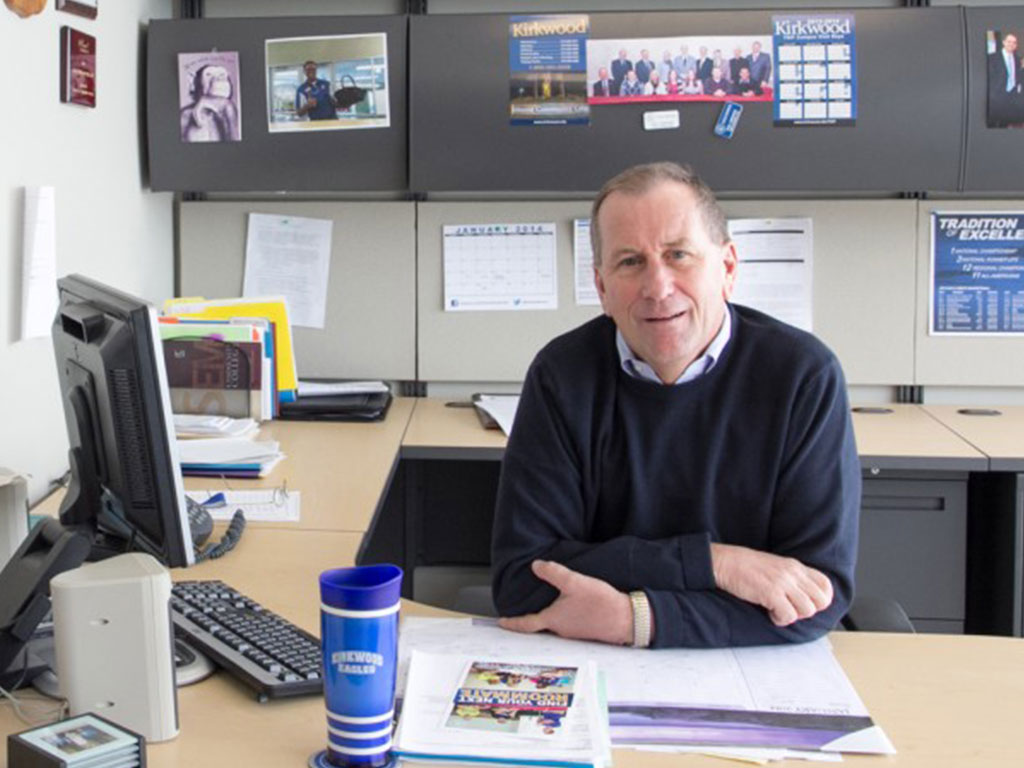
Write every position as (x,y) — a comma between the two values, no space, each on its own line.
(866,614)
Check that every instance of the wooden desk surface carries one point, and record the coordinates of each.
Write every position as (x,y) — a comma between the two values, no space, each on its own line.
(908,438)
(1001,436)
(340,468)
(437,431)
(944,700)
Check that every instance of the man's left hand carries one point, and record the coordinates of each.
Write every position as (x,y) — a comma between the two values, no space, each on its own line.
(586,609)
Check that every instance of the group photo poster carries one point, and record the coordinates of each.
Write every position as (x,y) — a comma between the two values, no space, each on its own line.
(692,68)
(332,83)
(977,274)
(548,70)
(210,107)
(816,80)
(1005,106)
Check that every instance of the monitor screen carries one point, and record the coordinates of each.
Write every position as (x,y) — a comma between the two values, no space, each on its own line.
(126,488)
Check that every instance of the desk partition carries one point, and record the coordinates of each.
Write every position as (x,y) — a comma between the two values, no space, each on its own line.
(371,294)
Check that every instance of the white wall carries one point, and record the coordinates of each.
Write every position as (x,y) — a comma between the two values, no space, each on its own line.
(108,226)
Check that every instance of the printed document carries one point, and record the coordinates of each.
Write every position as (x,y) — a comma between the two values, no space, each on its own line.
(776,267)
(39,263)
(790,696)
(290,255)
(583,263)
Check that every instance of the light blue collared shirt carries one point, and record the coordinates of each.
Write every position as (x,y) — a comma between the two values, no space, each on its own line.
(638,369)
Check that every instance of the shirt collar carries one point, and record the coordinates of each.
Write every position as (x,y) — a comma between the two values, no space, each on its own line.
(638,369)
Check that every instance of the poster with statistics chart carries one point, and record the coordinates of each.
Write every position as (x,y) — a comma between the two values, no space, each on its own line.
(500,267)
(816,76)
(977,274)
(776,270)
(583,264)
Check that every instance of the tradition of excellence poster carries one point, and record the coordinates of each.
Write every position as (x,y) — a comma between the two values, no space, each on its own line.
(977,271)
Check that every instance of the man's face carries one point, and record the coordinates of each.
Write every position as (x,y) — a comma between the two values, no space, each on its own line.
(703,52)
(631,76)
(662,279)
(716,73)
(645,54)
(744,75)
(1010,43)
(602,73)
(755,48)
(622,53)
(310,70)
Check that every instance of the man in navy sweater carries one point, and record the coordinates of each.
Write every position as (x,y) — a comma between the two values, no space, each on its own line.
(682,471)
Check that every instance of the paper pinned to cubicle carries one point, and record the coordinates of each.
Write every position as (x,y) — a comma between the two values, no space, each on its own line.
(39,263)
(776,267)
(500,267)
(290,255)
(583,264)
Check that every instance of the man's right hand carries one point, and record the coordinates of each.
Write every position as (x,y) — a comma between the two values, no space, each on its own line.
(785,587)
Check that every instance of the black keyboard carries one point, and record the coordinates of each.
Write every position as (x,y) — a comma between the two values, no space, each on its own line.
(263,650)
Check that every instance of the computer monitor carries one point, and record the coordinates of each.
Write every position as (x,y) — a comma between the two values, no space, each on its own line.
(126,489)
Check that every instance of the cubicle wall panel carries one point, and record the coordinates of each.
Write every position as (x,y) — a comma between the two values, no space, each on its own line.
(961,360)
(856,242)
(908,132)
(324,160)
(863,275)
(370,326)
(492,345)
(994,156)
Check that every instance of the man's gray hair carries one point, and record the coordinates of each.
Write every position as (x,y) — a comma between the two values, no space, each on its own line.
(641,178)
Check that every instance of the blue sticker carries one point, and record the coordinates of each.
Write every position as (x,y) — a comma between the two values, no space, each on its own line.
(728,119)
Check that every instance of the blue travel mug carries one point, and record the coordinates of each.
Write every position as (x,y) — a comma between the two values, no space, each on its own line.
(359,636)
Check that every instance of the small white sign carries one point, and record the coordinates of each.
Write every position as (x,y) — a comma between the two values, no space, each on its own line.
(662,120)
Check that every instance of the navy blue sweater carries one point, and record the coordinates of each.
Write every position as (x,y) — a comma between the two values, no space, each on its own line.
(629,481)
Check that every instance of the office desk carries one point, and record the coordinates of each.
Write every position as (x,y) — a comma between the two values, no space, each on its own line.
(996,498)
(339,467)
(945,701)
(999,436)
(915,473)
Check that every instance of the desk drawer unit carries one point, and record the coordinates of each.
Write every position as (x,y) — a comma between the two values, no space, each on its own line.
(913,546)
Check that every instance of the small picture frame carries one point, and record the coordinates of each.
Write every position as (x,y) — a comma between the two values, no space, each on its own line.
(86,8)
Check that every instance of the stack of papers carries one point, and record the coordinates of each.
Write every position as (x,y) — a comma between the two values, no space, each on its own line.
(228,457)
(190,426)
(476,709)
(771,702)
(327,388)
(500,408)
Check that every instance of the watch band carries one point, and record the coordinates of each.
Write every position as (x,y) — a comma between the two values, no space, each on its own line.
(641,619)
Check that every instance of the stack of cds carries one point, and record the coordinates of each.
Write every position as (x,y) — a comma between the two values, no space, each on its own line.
(85,741)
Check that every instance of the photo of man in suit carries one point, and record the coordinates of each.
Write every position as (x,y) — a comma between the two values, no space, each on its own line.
(644,66)
(620,67)
(760,65)
(704,64)
(604,85)
(1005,99)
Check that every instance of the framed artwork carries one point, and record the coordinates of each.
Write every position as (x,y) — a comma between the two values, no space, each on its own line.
(87,8)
